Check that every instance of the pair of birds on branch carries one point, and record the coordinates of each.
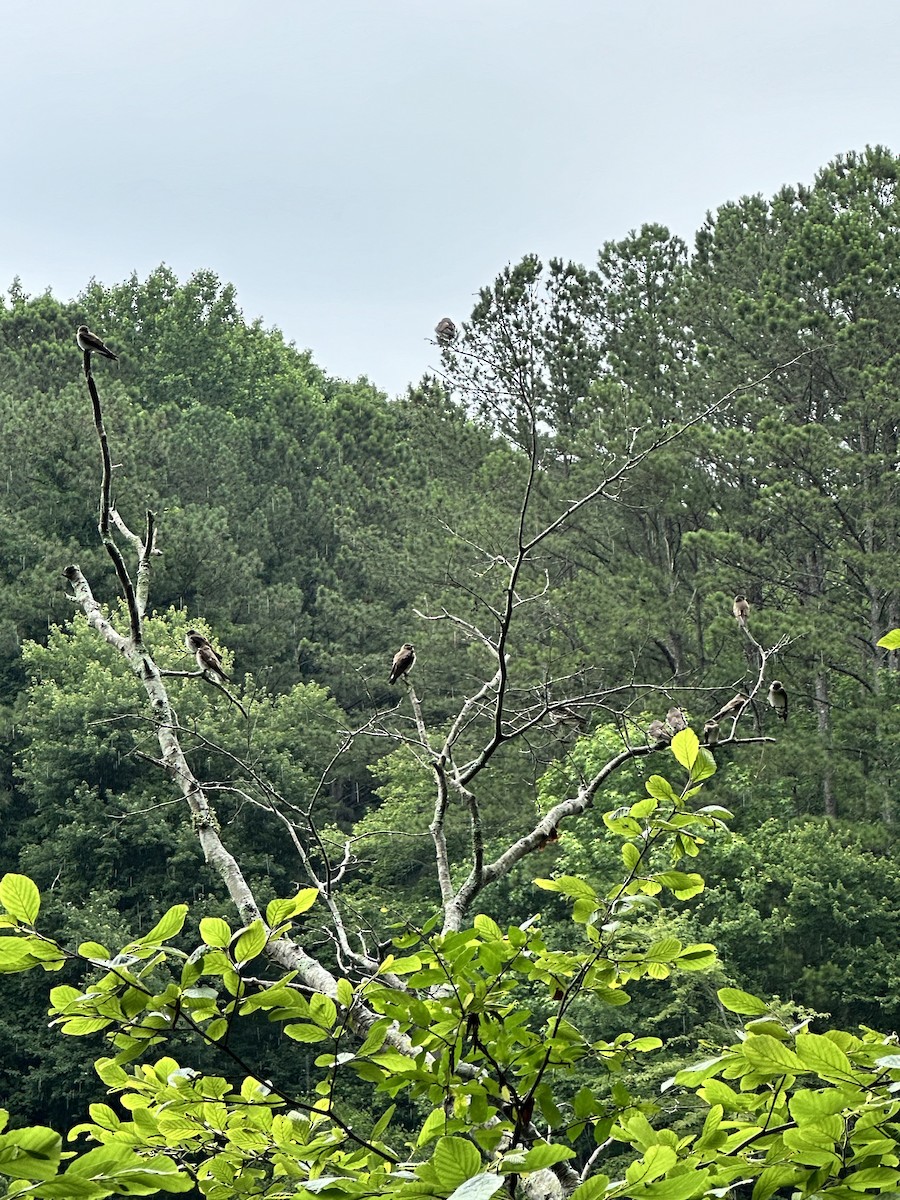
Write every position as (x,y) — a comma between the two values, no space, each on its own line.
(777,696)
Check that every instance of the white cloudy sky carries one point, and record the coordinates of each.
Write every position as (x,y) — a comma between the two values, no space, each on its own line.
(359,168)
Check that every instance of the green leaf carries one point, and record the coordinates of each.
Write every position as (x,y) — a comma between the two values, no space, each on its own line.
(15,955)
(768,1054)
(345,993)
(682,885)
(306,1033)
(20,897)
(661,789)
(94,950)
(545,1154)
(872,1177)
(737,1001)
(685,747)
(215,932)
(890,641)
(251,942)
(166,927)
(278,911)
(488,928)
(478,1187)
(31,1153)
(820,1054)
(455,1161)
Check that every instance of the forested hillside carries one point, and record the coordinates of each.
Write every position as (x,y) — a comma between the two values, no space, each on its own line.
(686,425)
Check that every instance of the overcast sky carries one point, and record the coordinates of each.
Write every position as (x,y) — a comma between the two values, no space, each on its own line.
(359,169)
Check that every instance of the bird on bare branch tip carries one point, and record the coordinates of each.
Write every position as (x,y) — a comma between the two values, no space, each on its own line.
(778,698)
(207,659)
(91,344)
(741,610)
(403,662)
(445,332)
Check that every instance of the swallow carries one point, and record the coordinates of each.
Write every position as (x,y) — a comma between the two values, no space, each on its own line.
(675,719)
(658,734)
(732,708)
(91,344)
(778,698)
(445,331)
(741,610)
(403,662)
(711,732)
(207,659)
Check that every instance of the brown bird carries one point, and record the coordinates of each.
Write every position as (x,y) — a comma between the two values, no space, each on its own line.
(445,331)
(778,698)
(658,733)
(91,344)
(207,659)
(741,610)
(675,719)
(403,663)
(732,708)
(711,732)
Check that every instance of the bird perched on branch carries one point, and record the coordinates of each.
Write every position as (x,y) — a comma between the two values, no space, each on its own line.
(91,344)
(732,708)
(404,661)
(445,331)
(675,719)
(741,610)
(207,659)
(778,698)
(711,732)
(658,733)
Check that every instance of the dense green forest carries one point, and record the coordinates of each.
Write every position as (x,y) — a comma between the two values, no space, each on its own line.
(559,518)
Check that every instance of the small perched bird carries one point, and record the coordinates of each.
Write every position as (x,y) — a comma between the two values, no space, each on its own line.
(91,344)
(778,698)
(658,733)
(565,714)
(404,661)
(732,708)
(445,331)
(741,610)
(675,719)
(207,659)
(711,732)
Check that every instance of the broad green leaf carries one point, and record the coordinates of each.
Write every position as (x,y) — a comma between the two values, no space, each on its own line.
(820,1054)
(278,911)
(31,1153)
(478,1187)
(20,897)
(345,993)
(545,1154)
(681,884)
(768,1054)
(685,747)
(166,927)
(657,1161)
(306,1033)
(455,1161)
(251,942)
(890,641)
(15,955)
(215,932)
(737,1001)
(488,928)
(661,789)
